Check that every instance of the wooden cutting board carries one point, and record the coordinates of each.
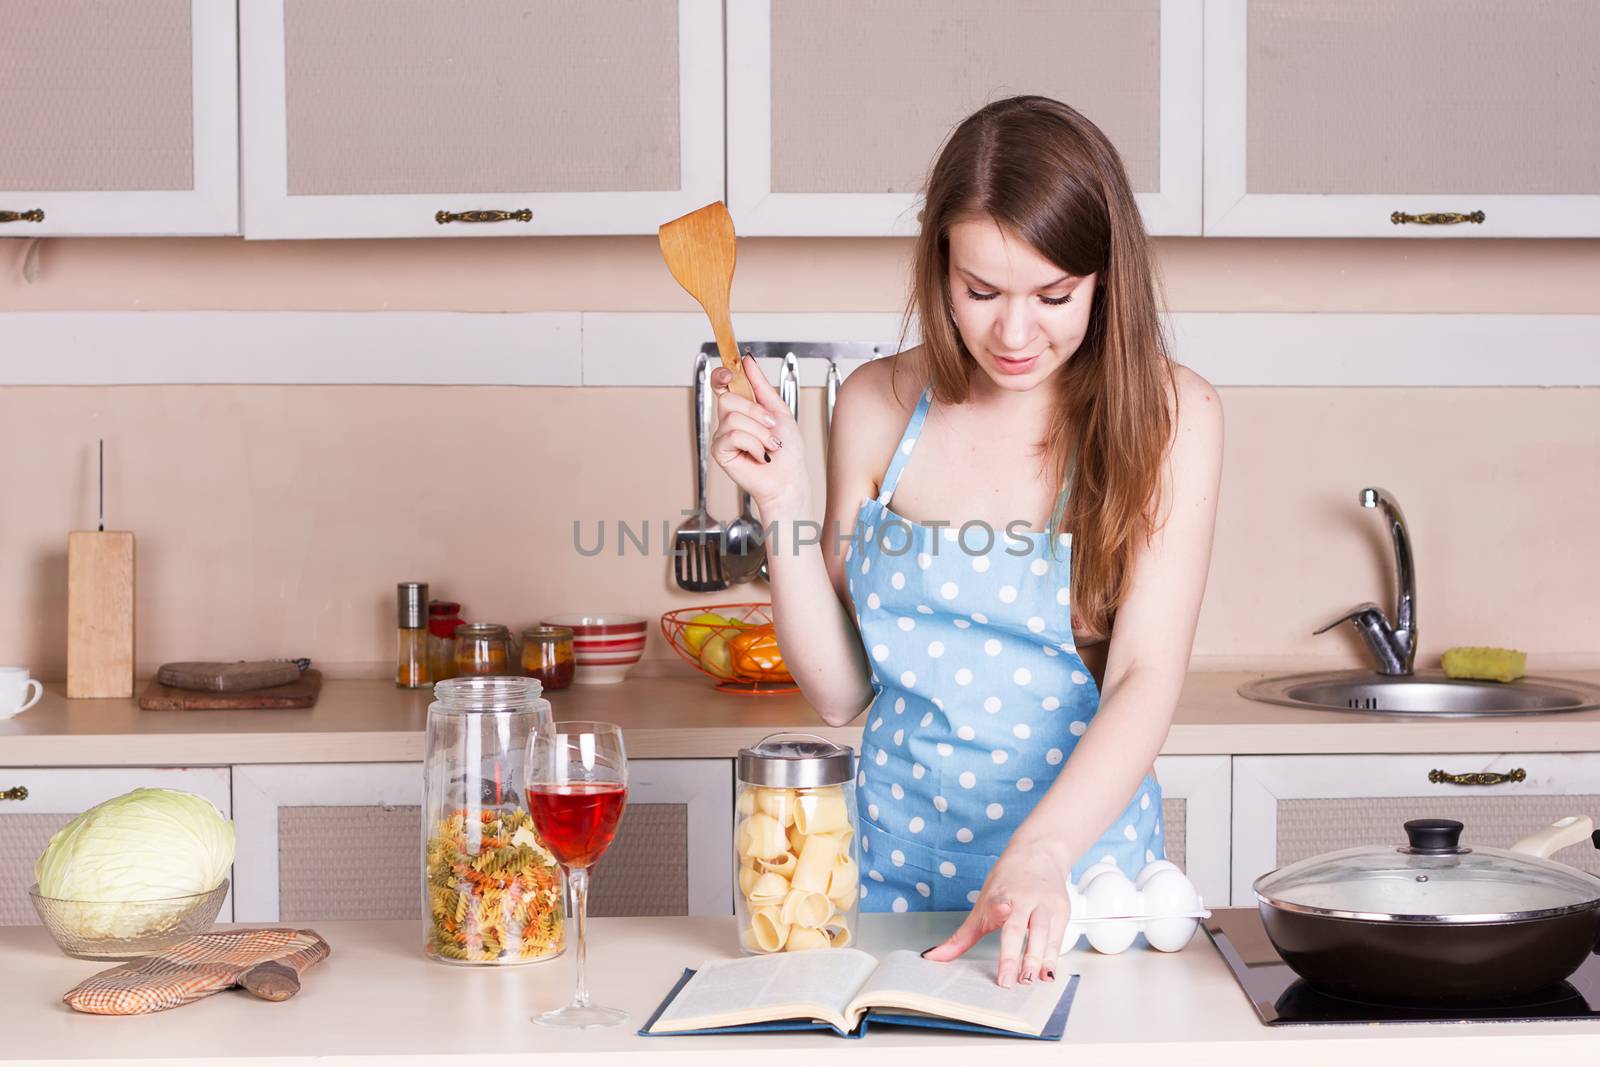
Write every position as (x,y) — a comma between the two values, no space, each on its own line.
(299,694)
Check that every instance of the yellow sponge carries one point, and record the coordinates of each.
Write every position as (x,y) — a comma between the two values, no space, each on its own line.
(1490,664)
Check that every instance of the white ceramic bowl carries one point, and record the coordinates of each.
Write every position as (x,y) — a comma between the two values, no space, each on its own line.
(604,645)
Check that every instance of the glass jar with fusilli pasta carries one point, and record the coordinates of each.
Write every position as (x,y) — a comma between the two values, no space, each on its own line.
(491,892)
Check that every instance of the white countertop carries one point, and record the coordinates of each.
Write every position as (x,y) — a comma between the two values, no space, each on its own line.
(668,711)
(377,1000)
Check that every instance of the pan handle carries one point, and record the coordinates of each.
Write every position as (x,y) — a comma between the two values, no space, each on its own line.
(1555,837)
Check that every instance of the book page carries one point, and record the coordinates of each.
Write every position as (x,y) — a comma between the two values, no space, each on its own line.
(812,984)
(961,989)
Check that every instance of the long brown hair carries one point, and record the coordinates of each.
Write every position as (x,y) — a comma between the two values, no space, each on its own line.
(1041,170)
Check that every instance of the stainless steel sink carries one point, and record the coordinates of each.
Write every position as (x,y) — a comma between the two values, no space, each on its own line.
(1427,692)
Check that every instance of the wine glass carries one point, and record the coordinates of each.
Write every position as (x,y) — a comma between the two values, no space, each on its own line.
(577,788)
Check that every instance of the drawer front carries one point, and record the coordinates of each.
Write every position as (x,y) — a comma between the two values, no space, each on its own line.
(56,795)
(1287,808)
(343,841)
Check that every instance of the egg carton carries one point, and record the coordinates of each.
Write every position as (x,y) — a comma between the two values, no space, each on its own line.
(1109,911)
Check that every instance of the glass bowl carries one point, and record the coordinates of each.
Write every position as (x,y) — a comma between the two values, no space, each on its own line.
(99,930)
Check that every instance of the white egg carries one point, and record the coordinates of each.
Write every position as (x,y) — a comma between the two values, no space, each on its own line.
(1107,891)
(1168,893)
(1169,896)
(1151,870)
(1170,935)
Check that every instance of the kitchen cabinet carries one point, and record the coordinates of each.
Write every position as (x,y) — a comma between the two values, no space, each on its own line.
(120,119)
(1324,118)
(343,841)
(836,109)
(394,118)
(1196,794)
(36,802)
(1286,808)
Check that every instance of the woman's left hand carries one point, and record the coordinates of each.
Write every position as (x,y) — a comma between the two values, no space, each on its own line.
(1025,897)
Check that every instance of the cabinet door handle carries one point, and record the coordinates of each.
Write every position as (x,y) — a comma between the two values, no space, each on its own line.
(34,215)
(1436,218)
(16,792)
(1516,774)
(520,215)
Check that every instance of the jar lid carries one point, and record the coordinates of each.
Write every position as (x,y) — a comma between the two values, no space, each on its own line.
(796,761)
(482,630)
(558,632)
(1431,879)
(412,604)
(443,607)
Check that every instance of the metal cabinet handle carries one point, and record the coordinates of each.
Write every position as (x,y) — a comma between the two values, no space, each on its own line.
(16,792)
(521,215)
(1436,218)
(1517,774)
(35,215)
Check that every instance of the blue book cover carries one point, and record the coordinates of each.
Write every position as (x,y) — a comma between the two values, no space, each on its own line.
(1052,1031)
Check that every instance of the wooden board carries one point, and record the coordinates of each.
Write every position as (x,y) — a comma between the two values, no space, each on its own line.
(300,694)
(243,676)
(100,599)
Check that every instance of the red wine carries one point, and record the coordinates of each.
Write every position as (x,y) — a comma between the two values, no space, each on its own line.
(577,821)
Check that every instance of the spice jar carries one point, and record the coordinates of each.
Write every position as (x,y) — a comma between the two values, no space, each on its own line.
(547,655)
(482,648)
(443,618)
(493,893)
(795,845)
(411,646)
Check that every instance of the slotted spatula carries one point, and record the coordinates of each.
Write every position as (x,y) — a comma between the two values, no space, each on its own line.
(698,248)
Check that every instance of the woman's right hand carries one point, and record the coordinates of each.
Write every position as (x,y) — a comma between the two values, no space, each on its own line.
(758,443)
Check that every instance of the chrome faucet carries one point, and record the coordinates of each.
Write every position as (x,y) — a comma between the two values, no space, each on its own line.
(1394,647)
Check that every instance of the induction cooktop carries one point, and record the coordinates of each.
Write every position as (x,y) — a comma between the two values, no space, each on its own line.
(1283,998)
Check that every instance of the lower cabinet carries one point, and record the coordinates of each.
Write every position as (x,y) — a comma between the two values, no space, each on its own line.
(1194,820)
(1286,808)
(343,841)
(39,801)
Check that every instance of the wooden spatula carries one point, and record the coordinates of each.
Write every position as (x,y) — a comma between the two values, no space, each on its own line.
(698,248)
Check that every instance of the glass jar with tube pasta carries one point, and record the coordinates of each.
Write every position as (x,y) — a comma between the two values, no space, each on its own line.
(492,893)
(794,841)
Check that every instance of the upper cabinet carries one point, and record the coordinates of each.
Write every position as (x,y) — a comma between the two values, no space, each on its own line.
(1433,118)
(836,109)
(411,118)
(118,119)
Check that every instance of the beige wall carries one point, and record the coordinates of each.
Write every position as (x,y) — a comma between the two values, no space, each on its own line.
(275,520)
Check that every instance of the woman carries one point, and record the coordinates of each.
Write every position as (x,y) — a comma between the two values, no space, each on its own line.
(1018,626)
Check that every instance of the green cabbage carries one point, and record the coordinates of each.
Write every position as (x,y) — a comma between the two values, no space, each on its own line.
(147,845)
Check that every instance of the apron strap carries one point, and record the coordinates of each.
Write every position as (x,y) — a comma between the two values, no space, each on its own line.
(902,451)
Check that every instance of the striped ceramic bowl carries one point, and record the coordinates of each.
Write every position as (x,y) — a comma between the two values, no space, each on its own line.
(604,645)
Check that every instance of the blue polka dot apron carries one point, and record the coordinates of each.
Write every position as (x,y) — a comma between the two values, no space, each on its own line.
(979,696)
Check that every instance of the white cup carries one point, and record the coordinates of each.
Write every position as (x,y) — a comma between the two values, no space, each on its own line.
(14,685)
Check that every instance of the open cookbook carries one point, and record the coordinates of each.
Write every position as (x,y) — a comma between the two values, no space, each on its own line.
(845,990)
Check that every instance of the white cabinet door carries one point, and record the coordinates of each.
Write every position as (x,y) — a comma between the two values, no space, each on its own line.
(836,109)
(344,841)
(1287,808)
(1195,800)
(36,802)
(389,118)
(118,118)
(325,841)
(1325,118)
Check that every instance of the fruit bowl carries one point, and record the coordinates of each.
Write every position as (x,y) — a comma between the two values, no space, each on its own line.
(99,930)
(705,638)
